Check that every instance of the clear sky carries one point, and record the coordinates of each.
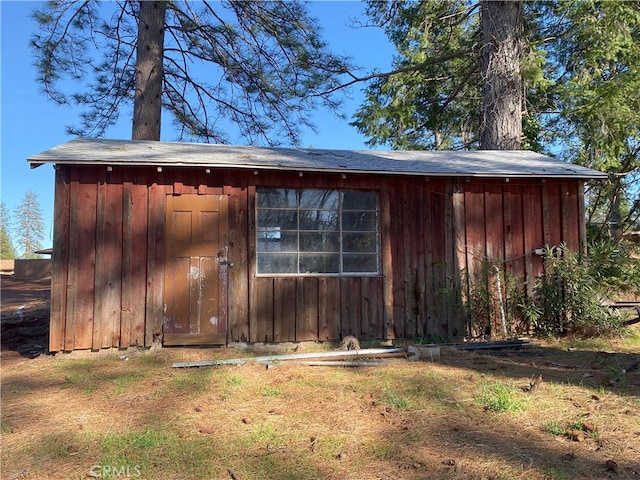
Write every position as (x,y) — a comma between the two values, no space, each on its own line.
(30,123)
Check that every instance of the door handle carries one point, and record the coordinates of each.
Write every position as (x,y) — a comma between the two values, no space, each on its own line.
(227,263)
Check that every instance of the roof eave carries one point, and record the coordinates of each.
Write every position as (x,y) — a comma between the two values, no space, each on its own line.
(573,175)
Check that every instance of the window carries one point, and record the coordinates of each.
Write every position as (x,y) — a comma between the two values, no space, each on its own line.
(317,232)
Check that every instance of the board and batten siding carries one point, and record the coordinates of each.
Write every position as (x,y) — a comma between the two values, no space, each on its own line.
(108,259)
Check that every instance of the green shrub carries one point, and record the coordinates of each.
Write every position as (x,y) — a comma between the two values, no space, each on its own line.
(569,298)
(615,266)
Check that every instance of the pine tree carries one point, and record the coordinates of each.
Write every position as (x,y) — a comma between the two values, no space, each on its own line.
(29,225)
(575,70)
(7,252)
(596,58)
(252,69)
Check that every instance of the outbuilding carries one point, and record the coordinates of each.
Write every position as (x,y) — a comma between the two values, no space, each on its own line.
(201,244)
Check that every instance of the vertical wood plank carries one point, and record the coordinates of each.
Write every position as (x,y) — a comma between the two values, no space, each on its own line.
(397,240)
(152,221)
(238,253)
(112,292)
(102,265)
(552,213)
(284,309)
(495,220)
(570,215)
(264,308)
(582,219)
(223,270)
(460,255)
(533,232)
(514,231)
(419,299)
(365,308)
(439,257)
(428,234)
(375,315)
(494,216)
(72,277)
(387,262)
(474,202)
(154,305)
(85,260)
(372,307)
(60,260)
(420,251)
(134,251)
(127,260)
(408,264)
(251,249)
(329,301)
(451,265)
(350,312)
(307,309)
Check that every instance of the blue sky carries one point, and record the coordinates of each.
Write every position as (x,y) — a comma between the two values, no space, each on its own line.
(30,123)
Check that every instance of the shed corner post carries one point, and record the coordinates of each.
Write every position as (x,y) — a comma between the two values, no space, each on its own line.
(60,261)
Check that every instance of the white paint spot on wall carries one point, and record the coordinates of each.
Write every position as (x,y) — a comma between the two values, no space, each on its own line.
(213,321)
(194,273)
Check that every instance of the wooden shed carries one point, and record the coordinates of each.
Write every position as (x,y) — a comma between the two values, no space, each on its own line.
(188,244)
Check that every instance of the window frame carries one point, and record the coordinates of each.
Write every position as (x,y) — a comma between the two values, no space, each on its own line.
(340,232)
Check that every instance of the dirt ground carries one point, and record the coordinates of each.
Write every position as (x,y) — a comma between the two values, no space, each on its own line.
(401,420)
(24,317)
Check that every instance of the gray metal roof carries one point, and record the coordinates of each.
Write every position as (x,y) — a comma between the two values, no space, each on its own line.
(477,163)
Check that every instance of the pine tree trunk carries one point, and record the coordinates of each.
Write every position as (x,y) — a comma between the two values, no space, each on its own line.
(502,93)
(147,102)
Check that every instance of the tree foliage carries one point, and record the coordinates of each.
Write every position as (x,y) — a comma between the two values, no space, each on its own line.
(596,61)
(29,225)
(579,73)
(7,252)
(430,99)
(230,69)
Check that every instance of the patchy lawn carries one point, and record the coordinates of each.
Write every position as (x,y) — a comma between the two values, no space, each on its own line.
(129,415)
(468,416)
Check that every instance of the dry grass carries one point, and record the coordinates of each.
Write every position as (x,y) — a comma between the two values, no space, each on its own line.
(82,416)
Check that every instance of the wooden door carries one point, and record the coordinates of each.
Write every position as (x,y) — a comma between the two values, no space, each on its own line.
(195,274)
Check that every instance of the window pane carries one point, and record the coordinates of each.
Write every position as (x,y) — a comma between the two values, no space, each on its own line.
(284,219)
(283,242)
(277,263)
(319,242)
(317,231)
(359,221)
(359,201)
(360,263)
(359,242)
(327,199)
(320,263)
(276,198)
(319,220)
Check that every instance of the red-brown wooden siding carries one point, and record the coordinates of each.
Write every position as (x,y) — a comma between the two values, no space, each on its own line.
(109,253)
